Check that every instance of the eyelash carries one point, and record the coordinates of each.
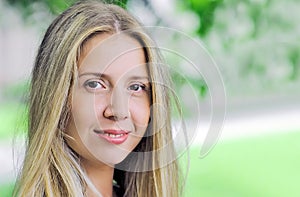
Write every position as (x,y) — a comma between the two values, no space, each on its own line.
(88,84)
(92,85)
(132,86)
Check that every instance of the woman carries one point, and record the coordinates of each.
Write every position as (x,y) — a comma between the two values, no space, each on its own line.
(99,111)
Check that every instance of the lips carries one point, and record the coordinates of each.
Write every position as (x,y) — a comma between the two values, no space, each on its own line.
(113,136)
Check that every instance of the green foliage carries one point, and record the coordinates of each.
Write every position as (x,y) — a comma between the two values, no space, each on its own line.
(57,6)
(256,45)
(294,57)
(205,11)
(196,88)
(54,6)
(197,84)
(121,3)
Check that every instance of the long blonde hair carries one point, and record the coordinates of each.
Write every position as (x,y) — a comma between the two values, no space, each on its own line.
(50,167)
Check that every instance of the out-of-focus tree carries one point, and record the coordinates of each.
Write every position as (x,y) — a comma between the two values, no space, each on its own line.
(40,13)
(205,10)
(256,44)
(54,6)
(27,6)
(35,11)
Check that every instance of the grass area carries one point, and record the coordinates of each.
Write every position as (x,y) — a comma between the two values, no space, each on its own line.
(6,190)
(12,119)
(262,167)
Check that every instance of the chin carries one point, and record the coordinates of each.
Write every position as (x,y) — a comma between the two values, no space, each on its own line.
(119,160)
(112,160)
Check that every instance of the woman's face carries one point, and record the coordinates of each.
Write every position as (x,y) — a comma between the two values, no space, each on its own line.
(111,99)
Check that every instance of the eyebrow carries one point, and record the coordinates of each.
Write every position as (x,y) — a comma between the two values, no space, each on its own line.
(134,77)
(94,74)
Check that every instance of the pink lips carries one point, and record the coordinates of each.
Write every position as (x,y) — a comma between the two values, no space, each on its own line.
(113,136)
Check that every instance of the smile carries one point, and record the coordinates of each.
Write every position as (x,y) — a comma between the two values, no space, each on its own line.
(113,136)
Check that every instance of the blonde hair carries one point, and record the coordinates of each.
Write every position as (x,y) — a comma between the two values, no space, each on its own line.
(50,167)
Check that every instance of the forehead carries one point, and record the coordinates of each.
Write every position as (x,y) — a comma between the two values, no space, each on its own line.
(111,53)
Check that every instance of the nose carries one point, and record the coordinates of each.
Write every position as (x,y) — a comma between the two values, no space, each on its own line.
(117,106)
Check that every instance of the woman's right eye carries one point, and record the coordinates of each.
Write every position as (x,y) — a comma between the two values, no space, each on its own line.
(94,85)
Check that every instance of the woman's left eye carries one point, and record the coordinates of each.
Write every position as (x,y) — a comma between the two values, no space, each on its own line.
(137,87)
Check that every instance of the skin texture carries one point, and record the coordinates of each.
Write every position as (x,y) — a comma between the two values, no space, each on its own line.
(111,93)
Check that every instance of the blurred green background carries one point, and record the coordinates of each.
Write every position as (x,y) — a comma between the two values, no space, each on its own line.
(255,44)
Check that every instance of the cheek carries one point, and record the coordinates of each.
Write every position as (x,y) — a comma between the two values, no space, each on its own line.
(84,111)
(140,112)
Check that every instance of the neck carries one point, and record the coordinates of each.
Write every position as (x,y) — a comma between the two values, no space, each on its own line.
(101,175)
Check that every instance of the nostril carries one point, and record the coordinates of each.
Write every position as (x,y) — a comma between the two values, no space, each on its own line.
(115,115)
(114,118)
